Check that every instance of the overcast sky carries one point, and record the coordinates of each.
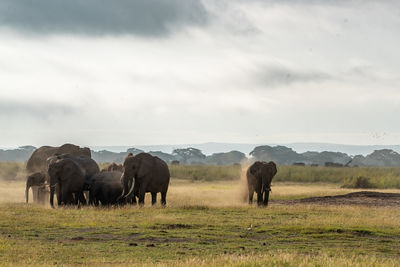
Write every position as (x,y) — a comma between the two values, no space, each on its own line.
(128,72)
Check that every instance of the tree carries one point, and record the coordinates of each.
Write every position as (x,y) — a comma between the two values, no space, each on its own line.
(189,155)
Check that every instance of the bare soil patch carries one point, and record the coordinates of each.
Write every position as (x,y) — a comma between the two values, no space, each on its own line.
(366,198)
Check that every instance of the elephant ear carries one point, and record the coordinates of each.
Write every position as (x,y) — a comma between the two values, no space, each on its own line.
(146,165)
(69,167)
(255,167)
(40,178)
(273,167)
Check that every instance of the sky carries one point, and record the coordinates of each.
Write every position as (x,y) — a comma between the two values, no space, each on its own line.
(173,72)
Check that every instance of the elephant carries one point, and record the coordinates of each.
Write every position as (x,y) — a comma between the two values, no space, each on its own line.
(259,177)
(37,161)
(106,188)
(113,167)
(73,175)
(36,180)
(145,173)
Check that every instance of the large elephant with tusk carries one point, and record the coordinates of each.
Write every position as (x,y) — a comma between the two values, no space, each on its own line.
(144,173)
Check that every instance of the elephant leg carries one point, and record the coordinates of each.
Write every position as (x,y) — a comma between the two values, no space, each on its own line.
(133,200)
(41,195)
(91,197)
(86,194)
(163,198)
(141,199)
(96,201)
(259,198)
(67,197)
(142,192)
(81,198)
(35,191)
(59,196)
(153,198)
(266,197)
(135,196)
(251,194)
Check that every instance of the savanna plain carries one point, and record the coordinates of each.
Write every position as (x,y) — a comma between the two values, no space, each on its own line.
(207,222)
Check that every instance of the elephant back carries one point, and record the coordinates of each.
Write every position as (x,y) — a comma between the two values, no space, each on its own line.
(88,165)
(37,162)
(74,150)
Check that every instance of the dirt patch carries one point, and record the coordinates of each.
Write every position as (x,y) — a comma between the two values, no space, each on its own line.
(162,240)
(78,238)
(366,198)
(174,226)
(130,238)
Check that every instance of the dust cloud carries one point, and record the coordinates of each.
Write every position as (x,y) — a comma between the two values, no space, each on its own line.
(180,193)
(12,192)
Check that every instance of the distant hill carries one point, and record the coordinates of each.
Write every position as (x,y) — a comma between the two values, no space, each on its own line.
(286,156)
(283,155)
(206,148)
(20,154)
(213,147)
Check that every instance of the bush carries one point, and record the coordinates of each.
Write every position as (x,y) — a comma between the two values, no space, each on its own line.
(10,171)
(359,182)
(205,172)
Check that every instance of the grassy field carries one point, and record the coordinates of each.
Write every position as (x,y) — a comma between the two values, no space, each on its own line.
(379,177)
(207,222)
(204,223)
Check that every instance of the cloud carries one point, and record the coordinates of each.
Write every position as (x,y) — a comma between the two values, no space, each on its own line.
(38,110)
(253,73)
(277,76)
(100,17)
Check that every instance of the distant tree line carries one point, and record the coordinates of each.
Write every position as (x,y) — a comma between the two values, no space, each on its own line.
(282,155)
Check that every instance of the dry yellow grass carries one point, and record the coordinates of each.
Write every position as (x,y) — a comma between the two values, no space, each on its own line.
(215,194)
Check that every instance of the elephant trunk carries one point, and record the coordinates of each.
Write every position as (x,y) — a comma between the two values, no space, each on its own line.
(125,187)
(27,192)
(52,189)
(125,183)
(130,193)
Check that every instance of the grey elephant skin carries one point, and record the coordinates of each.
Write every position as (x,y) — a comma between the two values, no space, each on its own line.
(106,188)
(73,175)
(36,181)
(259,177)
(37,163)
(145,173)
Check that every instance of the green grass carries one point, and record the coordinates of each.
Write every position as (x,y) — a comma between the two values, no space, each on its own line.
(204,224)
(32,235)
(380,177)
(205,172)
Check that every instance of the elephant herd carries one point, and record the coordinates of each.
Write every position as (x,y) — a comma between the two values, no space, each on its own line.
(74,177)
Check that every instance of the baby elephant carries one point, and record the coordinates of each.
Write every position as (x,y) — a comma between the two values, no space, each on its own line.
(113,167)
(106,188)
(37,182)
